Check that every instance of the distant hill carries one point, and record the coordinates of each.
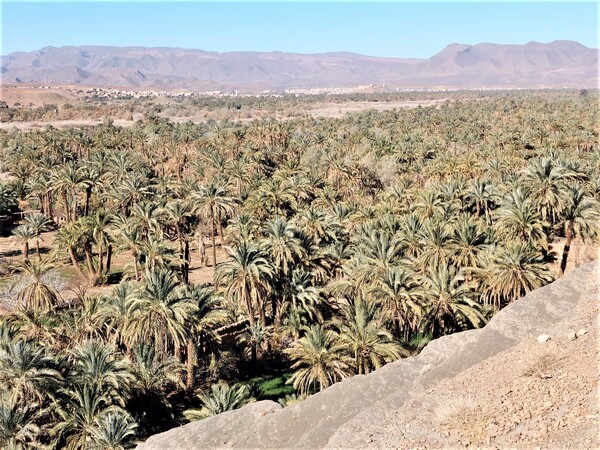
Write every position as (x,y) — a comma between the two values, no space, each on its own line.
(533,65)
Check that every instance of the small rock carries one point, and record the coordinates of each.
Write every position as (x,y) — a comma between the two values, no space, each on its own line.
(543,338)
(572,336)
(581,332)
(548,405)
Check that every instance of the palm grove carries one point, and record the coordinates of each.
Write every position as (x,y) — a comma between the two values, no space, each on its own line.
(351,242)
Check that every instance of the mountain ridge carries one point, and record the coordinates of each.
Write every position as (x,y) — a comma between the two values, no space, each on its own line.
(485,65)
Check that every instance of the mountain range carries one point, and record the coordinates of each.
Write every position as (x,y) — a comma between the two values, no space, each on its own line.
(532,65)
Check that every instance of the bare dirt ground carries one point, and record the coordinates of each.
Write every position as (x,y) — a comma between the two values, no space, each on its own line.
(535,395)
(59,95)
(10,253)
(35,95)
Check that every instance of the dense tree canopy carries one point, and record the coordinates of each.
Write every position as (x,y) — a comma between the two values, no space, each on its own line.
(336,245)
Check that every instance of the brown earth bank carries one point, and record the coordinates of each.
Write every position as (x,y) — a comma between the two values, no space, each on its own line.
(529,379)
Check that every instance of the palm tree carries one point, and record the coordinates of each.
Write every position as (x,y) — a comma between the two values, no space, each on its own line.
(17,423)
(255,336)
(24,234)
(282,245)
(509,272)
(302,296)
(90,178)
(449,305)
(519,219)
(79,414)
(247,276)
(467,241)
(100,224)
(111,314)
(221,398)
(157,254)
(203,324)
(284,249)
(130,238)
(39,224)
(70,237)
(67,180)
(320,359)
(159,312)
(212,203)
(399,293)
(112,431)
(580,218)
(178,215)
(546,183)
(27,371)
(375,253)
(482,198)
(274,198)
(437,248)
(96,364)
(362,329)
(153,374)
(35,325)
(35,291)
(146,217)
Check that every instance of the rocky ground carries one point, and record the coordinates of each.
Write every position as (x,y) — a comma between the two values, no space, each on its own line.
(529,379)
(538,394)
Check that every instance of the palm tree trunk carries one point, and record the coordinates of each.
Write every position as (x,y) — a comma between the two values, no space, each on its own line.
(89,261)
(565,254)
(191,350)
(66,203)
(248,300)
(136,268)
(76,264)
(50,215)
(37,247)
(253,357)
(263,315)
(212,235)
(100,260)
(186,261)
(25,251)
(108,257)
(88,194)
(74,207)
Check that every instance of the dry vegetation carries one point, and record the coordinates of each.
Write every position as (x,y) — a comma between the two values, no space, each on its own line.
(359,237)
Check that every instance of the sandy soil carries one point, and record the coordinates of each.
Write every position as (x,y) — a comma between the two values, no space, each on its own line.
(10,253)
(35,95)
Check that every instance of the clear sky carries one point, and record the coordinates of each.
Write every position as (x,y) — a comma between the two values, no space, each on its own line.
(393,28)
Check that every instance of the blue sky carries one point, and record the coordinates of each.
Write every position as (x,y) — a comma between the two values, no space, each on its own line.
(402,29)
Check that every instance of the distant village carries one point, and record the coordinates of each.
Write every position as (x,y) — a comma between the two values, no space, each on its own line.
(100,93)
